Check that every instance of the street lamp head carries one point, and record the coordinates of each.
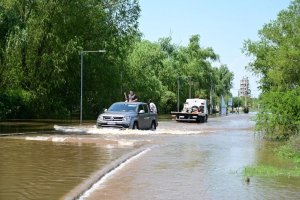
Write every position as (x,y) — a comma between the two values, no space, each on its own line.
(93,51)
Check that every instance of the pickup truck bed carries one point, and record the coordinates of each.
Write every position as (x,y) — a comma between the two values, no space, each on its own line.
(190,117)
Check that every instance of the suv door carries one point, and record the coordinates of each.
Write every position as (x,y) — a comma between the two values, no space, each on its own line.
(147,118)
(142,117)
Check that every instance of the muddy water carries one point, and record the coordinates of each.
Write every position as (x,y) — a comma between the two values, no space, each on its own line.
(34,168)
(184,161)
(20,127)
(205,161)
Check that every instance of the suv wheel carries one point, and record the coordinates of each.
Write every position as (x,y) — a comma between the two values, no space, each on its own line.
(153,126)
(135,125)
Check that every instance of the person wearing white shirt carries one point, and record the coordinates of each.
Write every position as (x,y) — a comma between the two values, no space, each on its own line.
(152,107)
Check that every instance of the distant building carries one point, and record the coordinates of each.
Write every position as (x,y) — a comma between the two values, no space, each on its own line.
(244,87)
(244,91)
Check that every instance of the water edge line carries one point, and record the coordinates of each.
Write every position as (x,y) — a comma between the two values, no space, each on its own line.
(83,190)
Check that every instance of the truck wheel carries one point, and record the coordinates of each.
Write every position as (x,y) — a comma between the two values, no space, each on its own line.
(153,126)
(198,120)
(135,125)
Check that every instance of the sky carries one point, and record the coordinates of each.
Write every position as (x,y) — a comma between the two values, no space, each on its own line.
(223,25)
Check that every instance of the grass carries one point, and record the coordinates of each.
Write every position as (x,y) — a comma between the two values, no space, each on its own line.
(290,152)
(270,171)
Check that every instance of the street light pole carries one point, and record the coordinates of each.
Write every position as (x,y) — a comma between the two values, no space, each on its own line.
(190,88)
(81,72)
(81,77)
(238,101)
(178,93)
(210,95)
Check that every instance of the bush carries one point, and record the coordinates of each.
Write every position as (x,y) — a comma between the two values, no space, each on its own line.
(280,116)
(15,104)
(168,102)
(290,150)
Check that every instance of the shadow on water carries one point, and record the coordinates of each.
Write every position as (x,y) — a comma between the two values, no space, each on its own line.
(34,126)
(23,126)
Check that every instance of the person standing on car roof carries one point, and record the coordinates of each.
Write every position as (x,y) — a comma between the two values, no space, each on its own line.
(131,97)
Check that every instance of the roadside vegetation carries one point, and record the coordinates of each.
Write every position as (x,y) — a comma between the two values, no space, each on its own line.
(40,60)
(288,152)
(276,60)
(271,171)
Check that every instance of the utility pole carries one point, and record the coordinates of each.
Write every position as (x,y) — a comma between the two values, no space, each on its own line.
(190,88)
(238,101)
(210,95)
(121,81)
(178,85)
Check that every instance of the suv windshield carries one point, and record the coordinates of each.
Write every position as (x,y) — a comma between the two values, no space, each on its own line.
(122,107)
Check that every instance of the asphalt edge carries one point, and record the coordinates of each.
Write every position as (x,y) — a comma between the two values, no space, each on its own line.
(80,189)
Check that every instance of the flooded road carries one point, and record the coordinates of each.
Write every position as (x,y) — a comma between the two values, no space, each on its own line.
(181,161)
(35,169)
(206,161)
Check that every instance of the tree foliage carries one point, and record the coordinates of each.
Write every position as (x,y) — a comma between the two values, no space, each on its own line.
(157,70)
(281,114)
(40,50)
(40,60)
(276,60)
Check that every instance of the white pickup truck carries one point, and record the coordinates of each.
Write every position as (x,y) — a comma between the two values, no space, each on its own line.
(193,110)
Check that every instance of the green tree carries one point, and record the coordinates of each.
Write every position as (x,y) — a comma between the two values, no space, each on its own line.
(155,69)
(142,74)
(276,60)
(238,102)
(225,78)
(41,51)
(40,59)
(193,65)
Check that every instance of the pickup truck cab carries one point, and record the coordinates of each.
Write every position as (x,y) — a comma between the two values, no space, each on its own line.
(134,115)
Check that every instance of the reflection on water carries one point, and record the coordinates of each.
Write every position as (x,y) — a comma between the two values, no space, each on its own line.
(45,170)
(24,126)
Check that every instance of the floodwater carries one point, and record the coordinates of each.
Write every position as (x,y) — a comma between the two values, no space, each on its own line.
(21,127)
(181,161)
(34,169)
